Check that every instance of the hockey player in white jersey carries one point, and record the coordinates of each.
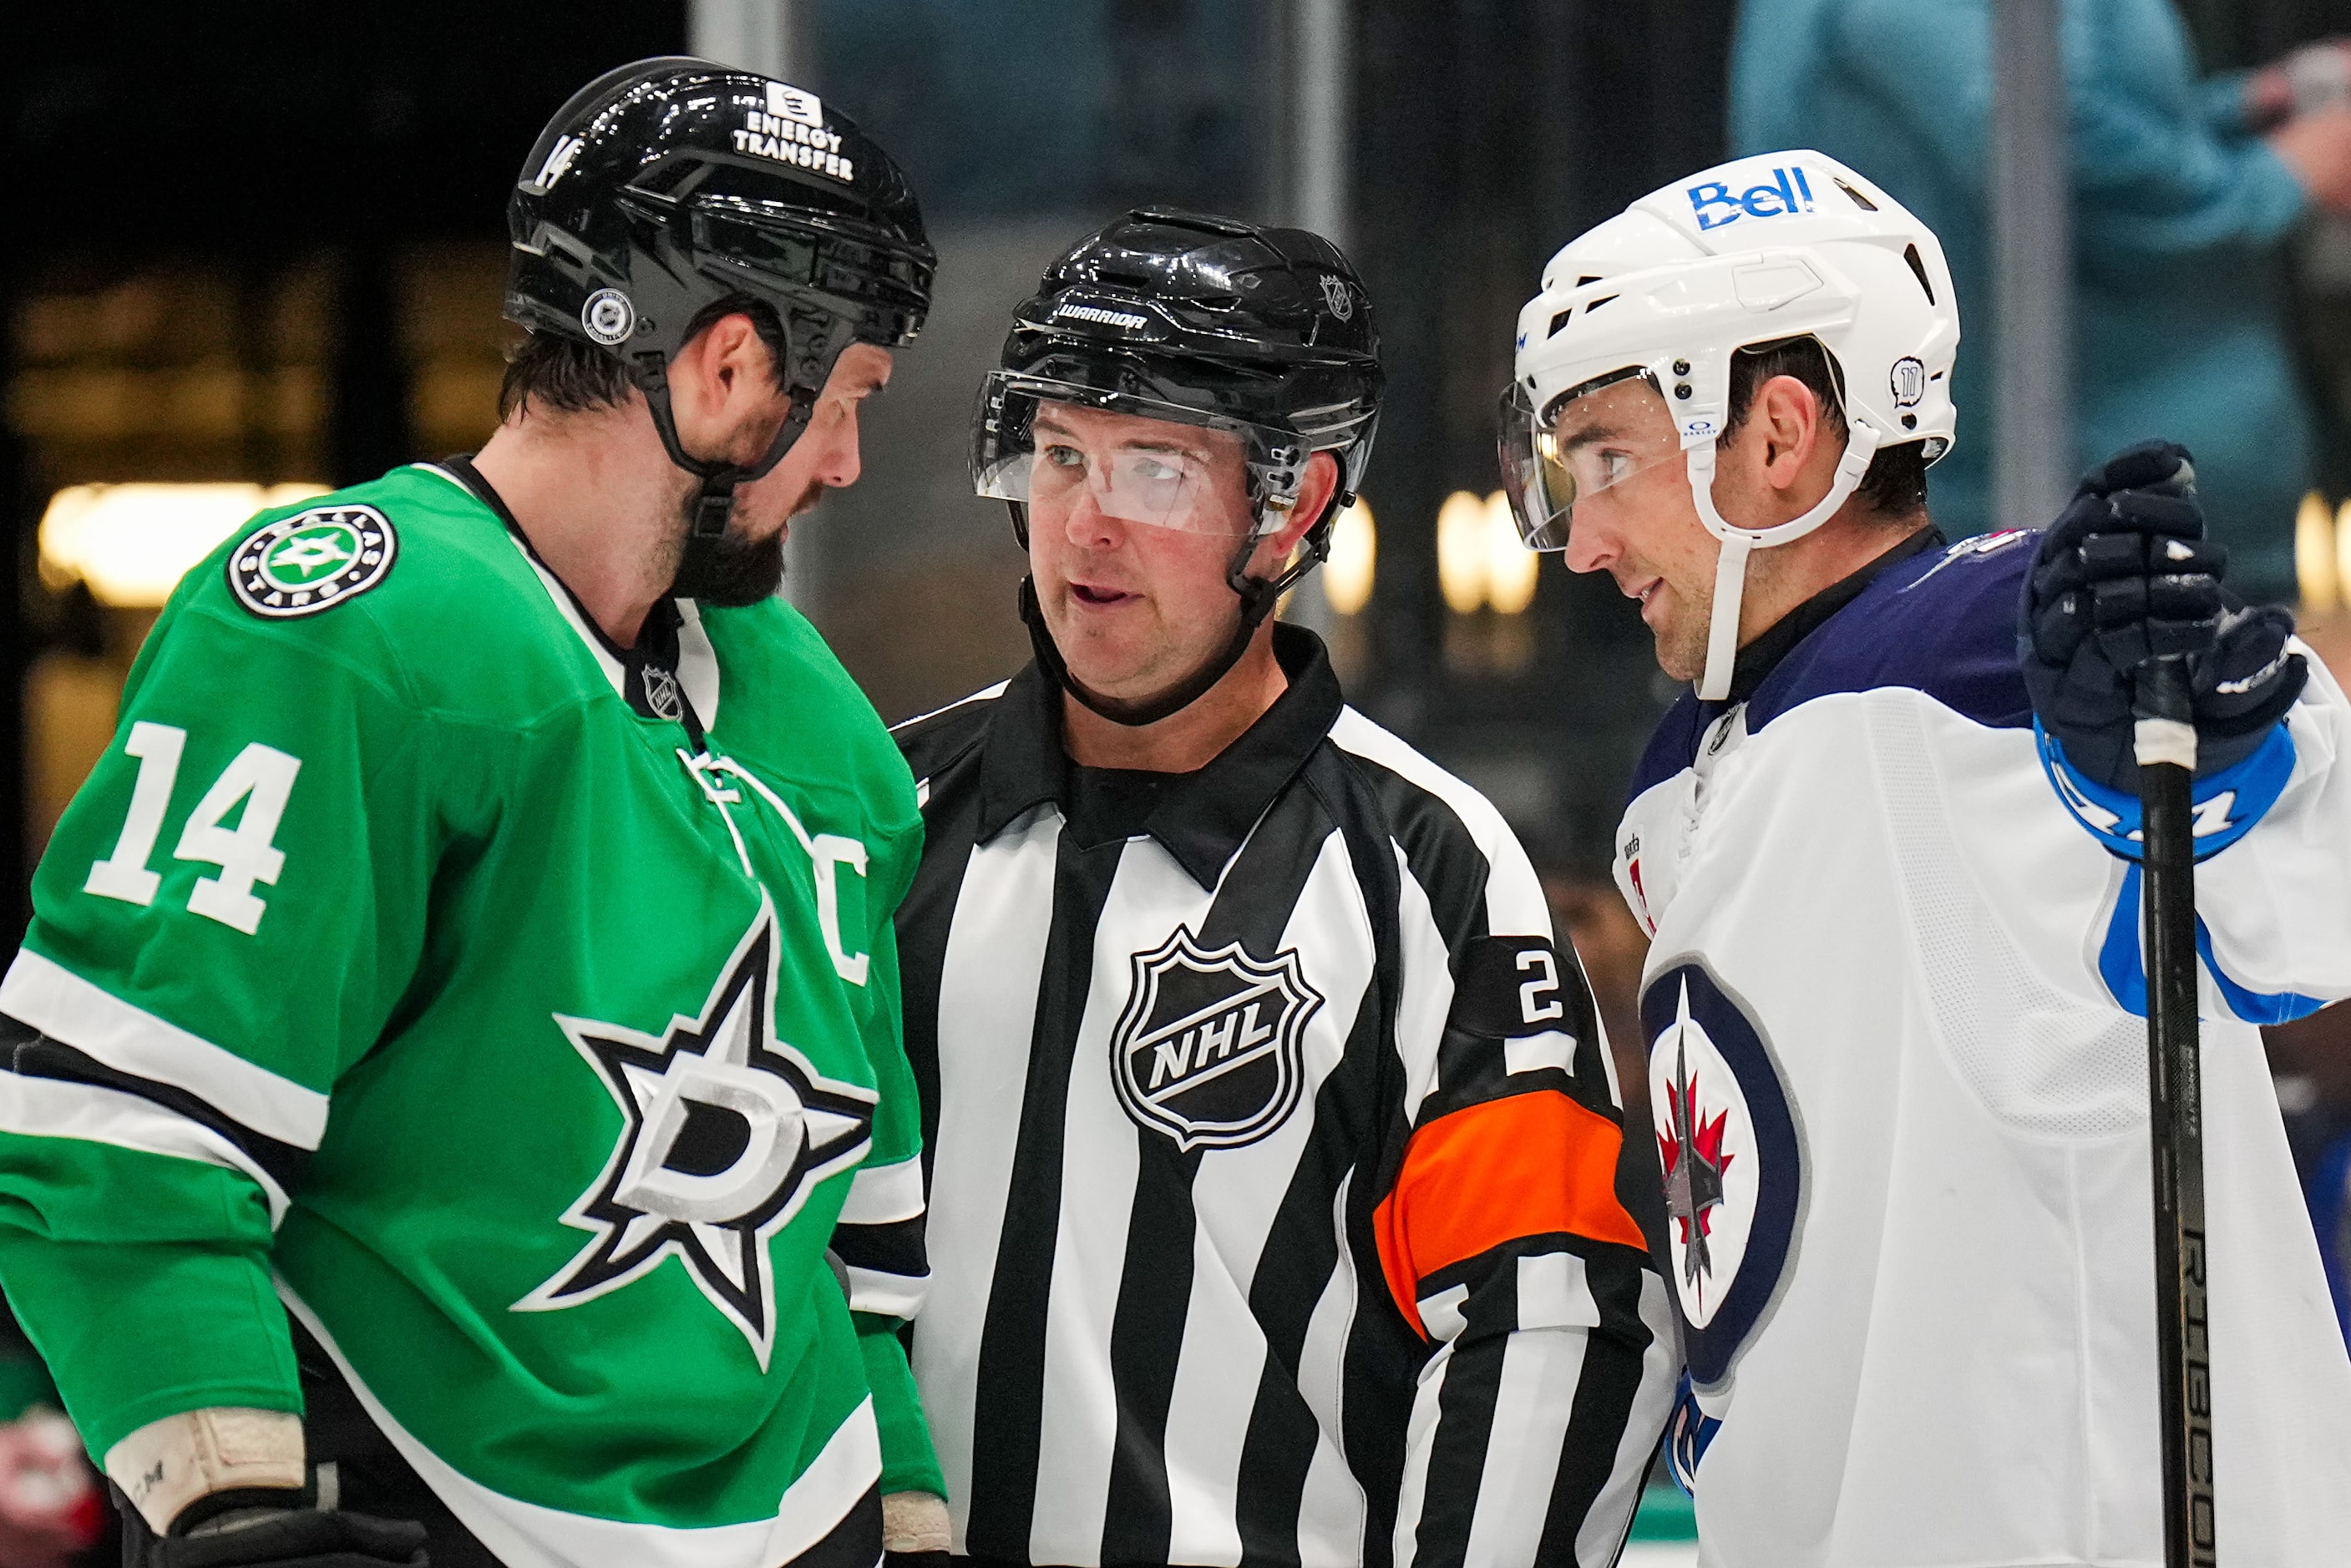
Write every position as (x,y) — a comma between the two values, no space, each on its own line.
(1893,1000)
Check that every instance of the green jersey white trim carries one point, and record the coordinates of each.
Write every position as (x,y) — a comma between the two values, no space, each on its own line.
(425,853)
(54,1107)
(526,1535)
(883,1195)
(64,1007)
(697,660)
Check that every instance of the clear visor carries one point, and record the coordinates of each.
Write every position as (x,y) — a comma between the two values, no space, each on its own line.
(1054,446)
(1576,447)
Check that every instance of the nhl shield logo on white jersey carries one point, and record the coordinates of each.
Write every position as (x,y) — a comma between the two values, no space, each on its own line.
(1209,1046)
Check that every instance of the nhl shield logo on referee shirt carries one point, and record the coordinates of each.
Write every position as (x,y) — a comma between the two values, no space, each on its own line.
(1208,1048)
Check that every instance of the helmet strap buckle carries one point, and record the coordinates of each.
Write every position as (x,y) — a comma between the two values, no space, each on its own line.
(713,509)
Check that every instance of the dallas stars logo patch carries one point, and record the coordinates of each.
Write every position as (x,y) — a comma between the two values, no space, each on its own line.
(312,561)
(726,1130)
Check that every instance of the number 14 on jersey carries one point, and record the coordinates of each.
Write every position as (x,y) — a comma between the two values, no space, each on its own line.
(261,777)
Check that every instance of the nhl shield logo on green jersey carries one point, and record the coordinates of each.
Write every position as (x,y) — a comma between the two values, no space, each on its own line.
(312,561)
(727,1129)
(1208,1047)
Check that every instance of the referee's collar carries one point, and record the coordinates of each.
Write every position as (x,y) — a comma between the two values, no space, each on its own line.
(1203,816)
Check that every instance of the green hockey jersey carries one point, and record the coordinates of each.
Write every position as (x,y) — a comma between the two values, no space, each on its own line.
(519,1012)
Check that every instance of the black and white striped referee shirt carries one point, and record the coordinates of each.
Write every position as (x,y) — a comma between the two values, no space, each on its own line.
(1271,1148)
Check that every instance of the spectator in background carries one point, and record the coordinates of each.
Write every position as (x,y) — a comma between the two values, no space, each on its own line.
(2184,191)
(51,1512)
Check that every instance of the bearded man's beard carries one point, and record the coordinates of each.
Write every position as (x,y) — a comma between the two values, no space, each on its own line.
(731,571)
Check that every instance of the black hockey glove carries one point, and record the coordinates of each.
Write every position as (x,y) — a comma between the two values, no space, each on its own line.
(2125,575)
(276,1538)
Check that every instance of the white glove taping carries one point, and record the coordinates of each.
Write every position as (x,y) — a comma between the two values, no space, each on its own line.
(915,1522)
(168,1464)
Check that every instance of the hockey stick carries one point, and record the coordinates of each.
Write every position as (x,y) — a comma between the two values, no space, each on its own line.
(2166,744)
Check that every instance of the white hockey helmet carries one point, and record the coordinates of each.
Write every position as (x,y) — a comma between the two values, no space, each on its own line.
(1782,245)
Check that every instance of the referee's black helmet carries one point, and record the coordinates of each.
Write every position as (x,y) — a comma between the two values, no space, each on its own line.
(1263,332)
(1207,320)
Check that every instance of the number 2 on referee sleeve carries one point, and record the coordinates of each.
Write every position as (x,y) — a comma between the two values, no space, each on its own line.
(1529,1008)
(261,777)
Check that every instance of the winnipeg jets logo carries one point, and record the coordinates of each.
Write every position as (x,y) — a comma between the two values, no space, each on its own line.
(1731,1153)
(1694,1162)
(1208,1047)
(727,1129)
(1706,1151)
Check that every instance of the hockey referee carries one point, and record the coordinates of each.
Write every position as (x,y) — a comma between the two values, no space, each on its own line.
(476,945)
(1272,1138)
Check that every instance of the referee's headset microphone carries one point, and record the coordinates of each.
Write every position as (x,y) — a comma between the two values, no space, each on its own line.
(1263,333)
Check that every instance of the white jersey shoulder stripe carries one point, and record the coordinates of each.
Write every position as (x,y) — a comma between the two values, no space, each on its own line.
(61,1004)
(1515,904)
(55,1108)
(528,1535)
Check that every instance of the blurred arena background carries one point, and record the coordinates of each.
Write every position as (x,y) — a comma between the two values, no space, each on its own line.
(262,244)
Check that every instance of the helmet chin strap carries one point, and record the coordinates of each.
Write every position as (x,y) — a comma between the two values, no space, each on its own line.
(1731,570)
(714,508)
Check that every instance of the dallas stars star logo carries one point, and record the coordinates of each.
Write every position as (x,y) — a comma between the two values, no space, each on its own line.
(1693,1159)
(726,1130)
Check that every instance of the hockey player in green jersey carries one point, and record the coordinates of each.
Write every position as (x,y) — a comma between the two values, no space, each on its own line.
(456,1103)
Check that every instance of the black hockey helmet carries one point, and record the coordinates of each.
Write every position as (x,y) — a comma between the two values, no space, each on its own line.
(1263,332)
(671,184)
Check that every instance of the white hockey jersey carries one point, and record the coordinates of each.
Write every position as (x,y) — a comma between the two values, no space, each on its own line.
(1900,1087)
